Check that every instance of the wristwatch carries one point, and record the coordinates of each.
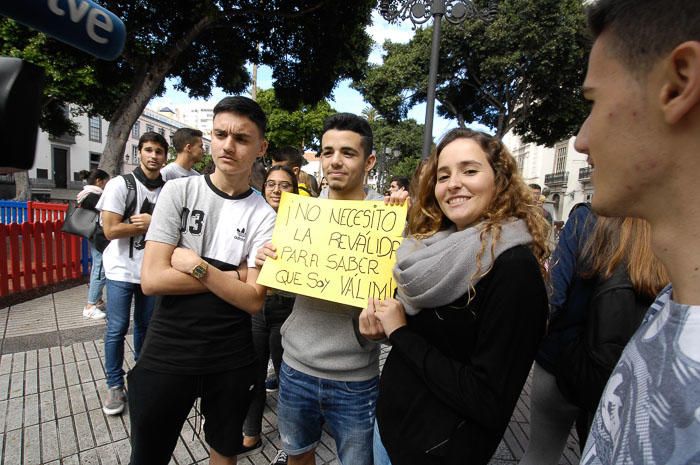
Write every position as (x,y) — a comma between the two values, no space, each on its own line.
(200,270)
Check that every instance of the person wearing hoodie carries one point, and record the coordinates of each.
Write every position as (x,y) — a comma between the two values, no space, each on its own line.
(330,372)
(88,198)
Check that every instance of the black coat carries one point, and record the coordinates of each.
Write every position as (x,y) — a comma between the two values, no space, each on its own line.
(454,374)
(614,313)
(90,201)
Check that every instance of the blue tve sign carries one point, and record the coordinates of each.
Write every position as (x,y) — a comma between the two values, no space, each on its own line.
(80,23)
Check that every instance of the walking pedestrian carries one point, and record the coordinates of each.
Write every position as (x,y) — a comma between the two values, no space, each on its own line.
(88,198)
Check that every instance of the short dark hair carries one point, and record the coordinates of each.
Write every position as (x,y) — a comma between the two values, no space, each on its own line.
(535,186)
(402,181)
(94,175)
(243,106)
(257,174)
(184,136)
(152,136)
(291,155)
(644,30)
(354,123)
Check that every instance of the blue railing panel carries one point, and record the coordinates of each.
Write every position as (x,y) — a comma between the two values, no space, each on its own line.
(13,211)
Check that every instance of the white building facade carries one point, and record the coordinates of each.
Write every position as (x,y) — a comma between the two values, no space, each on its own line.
(563,173)
(59,160)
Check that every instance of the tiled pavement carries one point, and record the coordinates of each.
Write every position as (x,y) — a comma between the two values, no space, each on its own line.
(52,384)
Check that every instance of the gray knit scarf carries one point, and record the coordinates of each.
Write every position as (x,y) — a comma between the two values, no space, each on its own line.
(438,270)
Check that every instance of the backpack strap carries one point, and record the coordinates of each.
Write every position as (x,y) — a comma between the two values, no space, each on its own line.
(130,205)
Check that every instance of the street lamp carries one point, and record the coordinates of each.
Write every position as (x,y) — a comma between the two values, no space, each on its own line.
(420,12)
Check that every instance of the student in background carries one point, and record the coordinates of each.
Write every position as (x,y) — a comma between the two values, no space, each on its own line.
(122,261)
(294,159)
(190,150)
(267,324)
(604,278)
(88,198)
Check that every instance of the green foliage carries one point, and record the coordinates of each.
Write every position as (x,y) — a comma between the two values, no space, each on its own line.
(405,167)
(66,79)
(203,163)
(393,143)
(406,136)
(299,128)
(520,72)
(309,45)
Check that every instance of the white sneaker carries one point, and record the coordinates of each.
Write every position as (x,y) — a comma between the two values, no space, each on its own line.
(93,313)
(115,401)
(280,458)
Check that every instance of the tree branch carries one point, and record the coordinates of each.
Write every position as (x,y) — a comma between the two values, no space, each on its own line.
(262,13)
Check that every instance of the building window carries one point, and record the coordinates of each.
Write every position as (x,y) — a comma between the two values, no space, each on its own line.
(520,156)
(42,173)
(161,131)
(149,128)
(135,154)
(136,130)
(95,124)
(94,160)
(77,176)
(560,157)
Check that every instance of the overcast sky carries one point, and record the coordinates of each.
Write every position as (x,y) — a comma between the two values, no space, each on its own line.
(344,98)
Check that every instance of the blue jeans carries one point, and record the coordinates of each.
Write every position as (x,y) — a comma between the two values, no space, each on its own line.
(119,295)
(347,407)
(381,457)
(97,277)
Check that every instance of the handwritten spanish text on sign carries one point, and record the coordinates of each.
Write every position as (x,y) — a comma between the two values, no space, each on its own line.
(338,250)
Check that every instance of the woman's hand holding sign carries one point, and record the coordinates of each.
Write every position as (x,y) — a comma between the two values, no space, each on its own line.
(370,326)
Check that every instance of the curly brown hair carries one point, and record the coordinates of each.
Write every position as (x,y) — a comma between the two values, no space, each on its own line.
(512,199)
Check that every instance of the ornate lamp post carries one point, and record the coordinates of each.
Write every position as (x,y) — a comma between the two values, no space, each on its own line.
(420,12)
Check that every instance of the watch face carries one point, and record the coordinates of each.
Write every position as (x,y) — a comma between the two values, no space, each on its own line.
(199,271)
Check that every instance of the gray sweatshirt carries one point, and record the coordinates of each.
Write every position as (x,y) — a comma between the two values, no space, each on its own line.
(322,338)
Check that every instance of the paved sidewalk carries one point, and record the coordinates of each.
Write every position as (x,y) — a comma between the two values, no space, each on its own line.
(52,386)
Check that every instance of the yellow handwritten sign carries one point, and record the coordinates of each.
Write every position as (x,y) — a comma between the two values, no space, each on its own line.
(337,250)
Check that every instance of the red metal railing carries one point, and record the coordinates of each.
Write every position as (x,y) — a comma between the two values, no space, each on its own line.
(40,212)
(12,211)
(33,255)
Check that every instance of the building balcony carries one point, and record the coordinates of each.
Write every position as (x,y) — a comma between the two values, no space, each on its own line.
(41,184)
(62,139)
(584,174)
(556,179)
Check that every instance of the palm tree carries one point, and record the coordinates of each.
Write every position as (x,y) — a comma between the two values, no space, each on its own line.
(371,114)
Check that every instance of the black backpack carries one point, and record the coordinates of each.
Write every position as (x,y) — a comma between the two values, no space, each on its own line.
(98,238)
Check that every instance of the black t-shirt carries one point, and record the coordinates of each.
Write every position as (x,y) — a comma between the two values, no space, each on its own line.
(197,334)
(202,333)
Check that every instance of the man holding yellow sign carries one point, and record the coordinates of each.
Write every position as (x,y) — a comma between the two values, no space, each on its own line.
(335,255)
(338,251)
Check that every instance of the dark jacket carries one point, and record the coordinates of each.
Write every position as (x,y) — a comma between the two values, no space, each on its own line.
(570,297)
(90,201)
(454,373)
(614,314)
